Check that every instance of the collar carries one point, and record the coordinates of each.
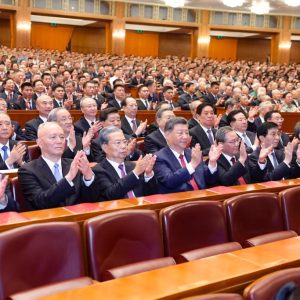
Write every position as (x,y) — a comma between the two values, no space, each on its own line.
(50,163)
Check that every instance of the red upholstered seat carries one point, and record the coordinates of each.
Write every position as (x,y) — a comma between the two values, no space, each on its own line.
(34,152)
(17,193)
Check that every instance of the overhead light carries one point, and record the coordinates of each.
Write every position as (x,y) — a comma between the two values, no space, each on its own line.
(233,3)
(175,3)
(293,3)
(260,7)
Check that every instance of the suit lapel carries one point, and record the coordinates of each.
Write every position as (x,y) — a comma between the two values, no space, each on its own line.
(48,175)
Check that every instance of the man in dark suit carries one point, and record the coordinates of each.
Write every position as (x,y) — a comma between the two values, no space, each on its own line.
(203,133)
(38,88)
(233,164)
(239,123)
(44,104)
(58,92)
(229,105)
(52,181)
(275,117)
(212,97)
(7,202)
(178,168)
(9,94)
(156,140)
(137,79)
(118,96)
(168,95)
(129,124)
(26,102)
(263,108)
(74,143)
(279,164)
(152,96)
(90,91)
(117,178)
(89,109)
(142,102)
(13,154)
(188,96)
(193,108)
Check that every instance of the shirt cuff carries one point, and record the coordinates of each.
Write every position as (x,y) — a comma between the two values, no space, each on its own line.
(212,169)
(88,182)
(262,166)
(4,202)
(148,178)
(9,167)
(87,151)
(71,183)
(190,169)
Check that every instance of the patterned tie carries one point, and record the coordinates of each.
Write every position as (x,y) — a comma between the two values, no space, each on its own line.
(134,127)
(130,194)
(210,136)
(56,172)
(275,162)
(241,180)
(5,155)
(192,181)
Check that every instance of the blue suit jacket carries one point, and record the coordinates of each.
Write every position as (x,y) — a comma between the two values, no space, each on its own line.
(172,178)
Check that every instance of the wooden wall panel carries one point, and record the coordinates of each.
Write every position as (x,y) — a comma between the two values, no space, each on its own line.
(295,52)
(253,49)
(174,44)
(88,40)
(225,48)
(141,44)
(48,37)
(5,32)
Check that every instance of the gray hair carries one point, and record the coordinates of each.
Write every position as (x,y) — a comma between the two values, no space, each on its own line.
(52,117)
(221,134)
(173,122)
(86,98)
(45,125)
(161,111)
(106,132)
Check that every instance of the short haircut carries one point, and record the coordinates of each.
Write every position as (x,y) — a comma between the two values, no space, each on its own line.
(160,112)
(166,88)
(264,128)
(221,134)
(106,132)
(173,122)
(25,84)
(232,114)
(44,126)
(85,98)
(106,112)
(202,106)
(189,84)
(45,74)
(297,130)
(52,117)
(36,81)
(56,86)
(149,82)
(214,83)
(140,87)
(87,82)
(269,114)
(117,86)
(230,103)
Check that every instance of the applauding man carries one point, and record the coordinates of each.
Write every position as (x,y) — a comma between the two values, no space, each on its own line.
(178,168)
(52,181)
(117,178)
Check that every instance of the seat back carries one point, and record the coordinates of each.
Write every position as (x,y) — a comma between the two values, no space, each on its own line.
(121,238)
(251,215)
(17,193)
(290,204)
(34,152)
(268,286)
(36,255)
(191,225)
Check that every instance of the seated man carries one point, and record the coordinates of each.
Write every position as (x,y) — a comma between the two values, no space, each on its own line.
(7,202)
(188,96)
(193,108)
(13,154)
(74,143)
(44,104)
(278,162)
(233,164)
(52,181)
(117,178)
(178,168)
(156,140)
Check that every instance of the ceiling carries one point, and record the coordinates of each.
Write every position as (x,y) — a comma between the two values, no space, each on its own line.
(276,7)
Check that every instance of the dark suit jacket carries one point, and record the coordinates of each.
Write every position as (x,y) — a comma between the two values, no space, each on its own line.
(153,98)
(21,104)
(154,142)
(11,145)
(209,98)
(20,135)
(192,123)
(68,153)
(125,126)
(31,128)
(141,105)
(185,100)
(41,190)
(257,122)
(251,135)
(110,186)
(172,177)
(280,172)
(229,175)
(12,205)
(285,140)
(12,103)
(224,121)
(133,82)
(200,136)
(114,103)
(81,126)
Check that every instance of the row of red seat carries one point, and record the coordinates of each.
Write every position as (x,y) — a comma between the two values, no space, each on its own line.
(130,241)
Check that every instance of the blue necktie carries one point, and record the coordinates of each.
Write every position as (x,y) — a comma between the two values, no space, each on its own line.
(56,173)
(5,155)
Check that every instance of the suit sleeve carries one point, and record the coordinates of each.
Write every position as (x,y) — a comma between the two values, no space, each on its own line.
(230,176)
(30,132)
(150,146)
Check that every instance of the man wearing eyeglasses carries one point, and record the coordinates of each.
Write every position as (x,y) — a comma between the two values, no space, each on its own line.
(233,164)
(117,178)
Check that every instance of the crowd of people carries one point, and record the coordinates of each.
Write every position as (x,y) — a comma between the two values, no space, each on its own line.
(244,145)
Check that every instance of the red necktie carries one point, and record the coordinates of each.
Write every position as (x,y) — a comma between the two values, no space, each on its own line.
(241,179)
(27,105)
(130,194)
(192,181)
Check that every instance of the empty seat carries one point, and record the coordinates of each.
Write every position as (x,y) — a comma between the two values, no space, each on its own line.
(291,208)
(36,255)
(17,193)
(192,225)
(268,286)
(208,251)
(52,289)
(121,238)
(138,267)
(216,297)
(254,215)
